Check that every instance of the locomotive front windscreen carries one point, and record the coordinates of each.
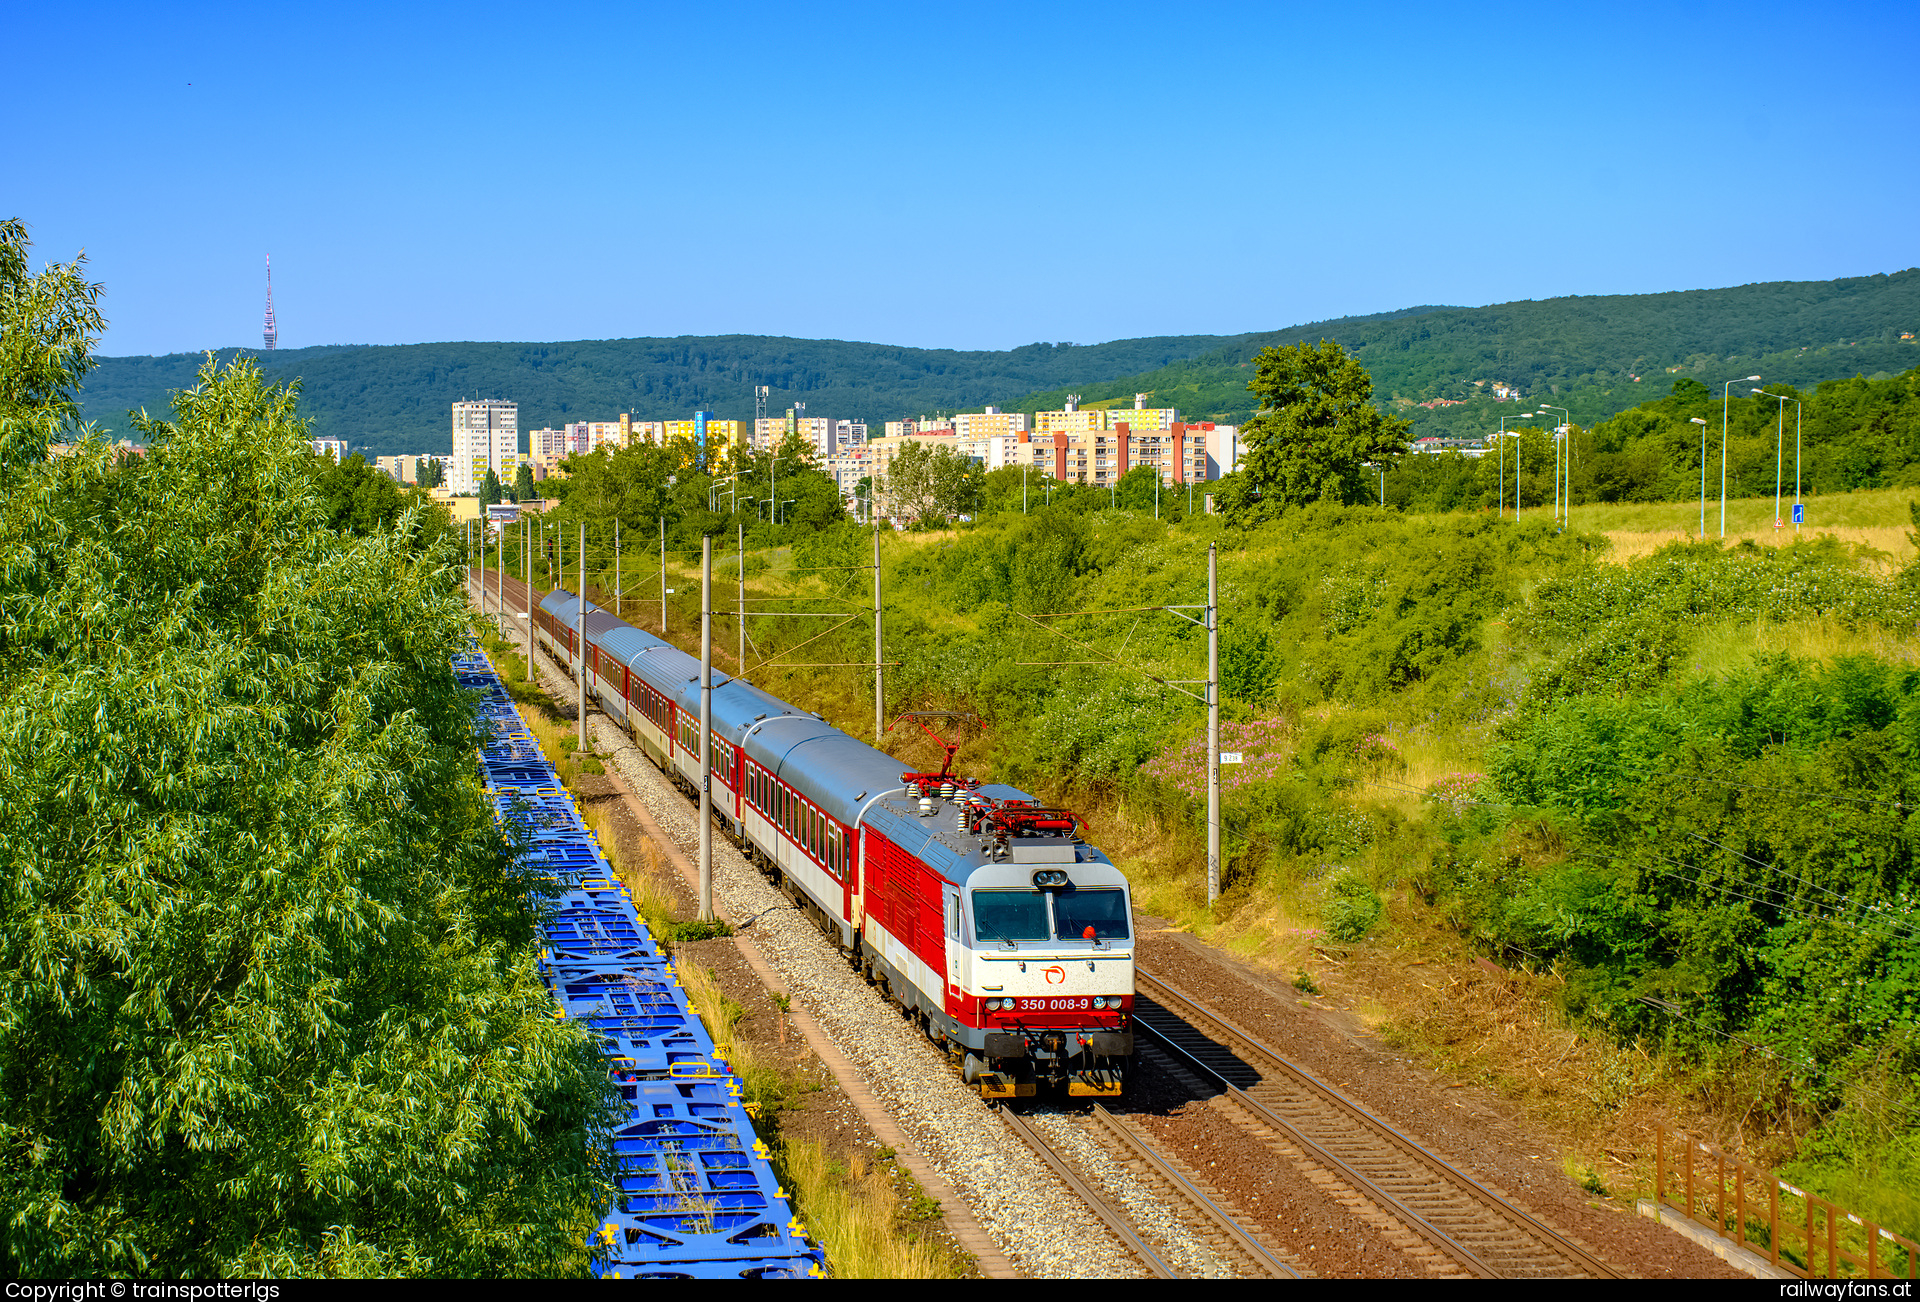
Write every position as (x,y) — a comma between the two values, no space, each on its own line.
(1010,915)
(1103,910)
(1023,915)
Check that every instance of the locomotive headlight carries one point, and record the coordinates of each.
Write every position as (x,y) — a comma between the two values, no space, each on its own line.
(1099,1001)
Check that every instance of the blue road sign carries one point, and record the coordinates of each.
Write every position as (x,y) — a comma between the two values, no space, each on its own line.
(1799,512)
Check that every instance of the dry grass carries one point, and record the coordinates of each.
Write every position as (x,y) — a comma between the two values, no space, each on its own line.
(646,881)
(1891,540)
(856,1215)
(1724,648)
(1747,516)
(1877,520)
(721,1014)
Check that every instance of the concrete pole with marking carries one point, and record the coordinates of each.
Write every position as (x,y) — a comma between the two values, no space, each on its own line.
(580,648)
(616,568)
(706,729)
(482,548)
(663,576)
(500,579)
(1213,724)
(879,672)
(526,537)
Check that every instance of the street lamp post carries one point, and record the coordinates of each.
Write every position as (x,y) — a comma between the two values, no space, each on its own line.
(1800,411)
(1701,421)
(1563,465)
(1780,448)
(1725,397)
(1525,415)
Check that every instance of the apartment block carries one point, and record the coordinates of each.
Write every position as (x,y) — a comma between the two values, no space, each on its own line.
(919,425)
(882,451)
(847,468)
(985,424)
(643,431)
(709,440)
(407,469)
(1180,453)
(486,436)
(1206,450)
(991,451)
(1072,419)
(816,432)
(335,448)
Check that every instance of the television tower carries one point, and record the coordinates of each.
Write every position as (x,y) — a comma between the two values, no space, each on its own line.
(272,334)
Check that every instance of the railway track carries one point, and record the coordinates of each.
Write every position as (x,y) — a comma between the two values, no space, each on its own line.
(1474,1229)
(1175,1191)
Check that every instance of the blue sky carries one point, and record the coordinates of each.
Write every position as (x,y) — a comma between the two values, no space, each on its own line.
(976,176)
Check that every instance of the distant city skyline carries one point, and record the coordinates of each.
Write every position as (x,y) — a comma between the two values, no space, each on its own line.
(1068,172)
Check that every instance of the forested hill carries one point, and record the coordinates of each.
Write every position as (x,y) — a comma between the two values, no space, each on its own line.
(1581,353)
(397,399)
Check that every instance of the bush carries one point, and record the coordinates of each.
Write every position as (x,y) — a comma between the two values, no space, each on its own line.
(1352,906)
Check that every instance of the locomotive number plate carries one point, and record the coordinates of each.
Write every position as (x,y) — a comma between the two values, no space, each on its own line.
(1065,1004)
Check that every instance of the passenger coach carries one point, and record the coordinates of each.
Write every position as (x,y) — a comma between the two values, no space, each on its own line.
(983,914)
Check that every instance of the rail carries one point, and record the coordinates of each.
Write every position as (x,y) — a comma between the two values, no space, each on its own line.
(1454,1213)
(1229,1229)
(1099,1206)
(1825,1230)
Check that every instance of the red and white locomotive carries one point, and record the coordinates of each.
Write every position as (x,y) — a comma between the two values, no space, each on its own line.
(983,914)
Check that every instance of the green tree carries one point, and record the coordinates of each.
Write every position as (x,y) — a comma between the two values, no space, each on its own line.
(925,482)
(523,489)
(271,995)
(360,500)
(489,490)
(47,327)
(1317,426)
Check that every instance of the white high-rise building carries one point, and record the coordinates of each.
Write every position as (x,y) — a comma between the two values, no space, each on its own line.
(486,436)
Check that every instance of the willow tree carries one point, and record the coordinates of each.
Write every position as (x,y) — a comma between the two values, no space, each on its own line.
(270,1002)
